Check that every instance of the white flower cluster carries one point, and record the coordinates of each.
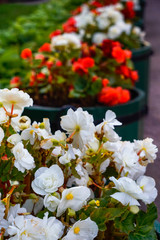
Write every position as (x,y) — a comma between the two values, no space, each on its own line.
(62,184)
(67,41)
(108,22)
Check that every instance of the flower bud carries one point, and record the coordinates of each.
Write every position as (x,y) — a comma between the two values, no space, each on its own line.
(71,212)
(134,209)
(24,122)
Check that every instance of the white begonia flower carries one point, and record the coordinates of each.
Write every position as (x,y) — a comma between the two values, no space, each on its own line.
(114,32)
(98,37)
(29,134)
(112,146)
(67,40)
(69,155)
(118,6)
(58,136)
(45,125)
(93,145)
(108,132)
(34,205)
(102,21)
(2,209)
(108,16)
(51,201)
(1,135)
(146,149)
(14,139)
(126,162)
(29,228)
(80,124)
(23,159)
(84,178)
(129,191)
(48,180)
(85,18)
(14,211)
(109,121)
(85,229)
(136,30)
(73,198)
(26,228)
(52,228)
(15,97)
(57,151)
(125,27)
(34,132)
(3,116)
(147,184)
(104,165)
(66,158)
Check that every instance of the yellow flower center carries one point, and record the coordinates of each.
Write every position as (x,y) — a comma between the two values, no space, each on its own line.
(142,187)
(76,230)
(42,125)
(31,132)
(98,203)
(144,149)
(69,196)
(78,128)
(24,233)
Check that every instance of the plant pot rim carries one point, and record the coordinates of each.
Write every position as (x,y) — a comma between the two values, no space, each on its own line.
(143,52)
(140,97)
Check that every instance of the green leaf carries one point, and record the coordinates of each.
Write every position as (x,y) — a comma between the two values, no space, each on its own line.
(95,88)
(144,223)
(102,215)
(126,225)
(149,236)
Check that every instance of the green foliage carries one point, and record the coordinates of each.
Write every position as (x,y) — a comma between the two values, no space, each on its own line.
(145,224)
(29,31)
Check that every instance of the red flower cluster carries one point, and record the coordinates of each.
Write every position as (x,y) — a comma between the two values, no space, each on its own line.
(15,82)
(128,11)
(69,26)
(26,53)
(112,96)
(108,45)
(77,11)
(114,50)
(101,3)
(55,33)
(128,73)
(88,51)
(46,47)
(81,66)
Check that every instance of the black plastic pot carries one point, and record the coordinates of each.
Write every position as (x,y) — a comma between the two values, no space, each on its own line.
(141,59)
(157,228)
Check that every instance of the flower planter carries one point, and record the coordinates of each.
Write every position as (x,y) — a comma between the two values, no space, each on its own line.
(140,12)
(130,114)
(141,59)
(157,228)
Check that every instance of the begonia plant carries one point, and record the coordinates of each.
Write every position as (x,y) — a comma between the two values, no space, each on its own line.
(82,182)
(68,71)
(96,21)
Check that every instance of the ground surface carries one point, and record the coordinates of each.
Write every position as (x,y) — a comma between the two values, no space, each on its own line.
(152,121)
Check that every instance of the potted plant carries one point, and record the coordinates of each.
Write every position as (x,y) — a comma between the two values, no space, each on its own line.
(67,73)
(84,183)
(113,22)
